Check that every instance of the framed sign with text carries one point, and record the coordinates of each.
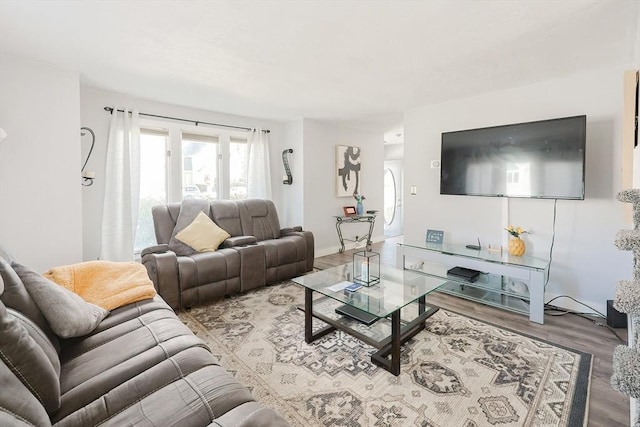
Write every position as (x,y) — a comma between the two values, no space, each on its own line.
(435,236)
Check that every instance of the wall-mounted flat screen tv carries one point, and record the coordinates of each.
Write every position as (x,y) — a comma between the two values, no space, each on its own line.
(543,159)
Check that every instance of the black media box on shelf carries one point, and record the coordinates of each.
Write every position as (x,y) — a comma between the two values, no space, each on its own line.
(615,319)
(465,273)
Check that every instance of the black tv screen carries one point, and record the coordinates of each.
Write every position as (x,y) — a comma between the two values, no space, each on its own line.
(543,159)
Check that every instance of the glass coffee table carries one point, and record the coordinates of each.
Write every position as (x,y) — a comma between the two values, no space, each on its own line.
(384,315)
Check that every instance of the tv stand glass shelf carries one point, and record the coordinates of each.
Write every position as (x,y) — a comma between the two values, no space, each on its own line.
(506,281)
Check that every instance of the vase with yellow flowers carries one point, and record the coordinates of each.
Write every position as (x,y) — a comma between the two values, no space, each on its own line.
(516,244)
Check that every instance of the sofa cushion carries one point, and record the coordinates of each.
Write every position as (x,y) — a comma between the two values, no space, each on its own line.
(115,355)
(186,389)
(132,311)
(40,338)
(262,222)
(227,214)
(189,209)
(164,221)
(122,343)
(18,406)
(67,313)
(202,234)
(16,296)
(28,361)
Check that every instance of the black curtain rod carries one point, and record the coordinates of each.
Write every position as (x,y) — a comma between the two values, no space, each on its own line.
(197,122)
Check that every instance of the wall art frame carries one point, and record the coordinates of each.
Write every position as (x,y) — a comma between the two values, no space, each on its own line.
(348,170)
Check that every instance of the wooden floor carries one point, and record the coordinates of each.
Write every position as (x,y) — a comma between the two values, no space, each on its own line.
(607,407)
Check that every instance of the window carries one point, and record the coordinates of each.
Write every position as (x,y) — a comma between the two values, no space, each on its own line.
(179,161)
(153,183)
(238,157)
(200,166)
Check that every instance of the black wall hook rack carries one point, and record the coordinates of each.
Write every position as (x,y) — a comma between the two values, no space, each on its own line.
(285,161)
(87,180)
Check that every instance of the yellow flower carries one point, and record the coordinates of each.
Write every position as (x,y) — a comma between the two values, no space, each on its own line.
(516,231)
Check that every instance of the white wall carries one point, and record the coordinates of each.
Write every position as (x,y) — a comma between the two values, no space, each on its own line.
(40,197)
(394,151)
(586,264)
(320,202)
(92,103)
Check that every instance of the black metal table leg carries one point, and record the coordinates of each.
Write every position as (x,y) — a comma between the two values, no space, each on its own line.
(309,336)
(380,358)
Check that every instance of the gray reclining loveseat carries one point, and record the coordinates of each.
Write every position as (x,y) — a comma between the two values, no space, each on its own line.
(258,253)
(140,366)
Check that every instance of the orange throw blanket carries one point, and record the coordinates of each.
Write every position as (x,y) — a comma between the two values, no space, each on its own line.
(106,284)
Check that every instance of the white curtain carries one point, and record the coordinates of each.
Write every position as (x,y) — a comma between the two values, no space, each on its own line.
(258,169)
(122,187)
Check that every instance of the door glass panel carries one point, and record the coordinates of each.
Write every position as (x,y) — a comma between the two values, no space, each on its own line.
(389,197)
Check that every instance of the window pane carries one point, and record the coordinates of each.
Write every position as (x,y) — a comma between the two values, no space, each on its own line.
(153,187)
(199,167)
(238,169)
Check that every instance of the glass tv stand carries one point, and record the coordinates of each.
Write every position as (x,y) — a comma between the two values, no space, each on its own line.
(505,281)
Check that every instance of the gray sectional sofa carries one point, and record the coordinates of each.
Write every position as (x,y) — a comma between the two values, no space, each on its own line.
(258,252)
(141,366)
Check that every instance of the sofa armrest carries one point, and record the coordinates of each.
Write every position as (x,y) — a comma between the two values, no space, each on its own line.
(239,241)
(307,236)
(288,230)
(163,271)
(157,249)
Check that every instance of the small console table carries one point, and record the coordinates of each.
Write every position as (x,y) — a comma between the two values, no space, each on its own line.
(371,219)
(508,282)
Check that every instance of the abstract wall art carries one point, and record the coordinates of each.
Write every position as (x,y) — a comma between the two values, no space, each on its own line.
(348,166)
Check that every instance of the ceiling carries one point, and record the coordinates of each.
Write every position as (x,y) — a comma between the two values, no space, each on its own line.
(360,63)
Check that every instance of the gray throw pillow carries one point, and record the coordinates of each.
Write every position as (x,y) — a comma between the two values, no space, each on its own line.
(39,338)
(16,296)
(67,313)
(189,210)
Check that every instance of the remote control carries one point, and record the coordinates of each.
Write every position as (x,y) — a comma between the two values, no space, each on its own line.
(353,287)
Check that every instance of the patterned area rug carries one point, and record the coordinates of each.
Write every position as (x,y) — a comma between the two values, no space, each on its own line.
(458,372)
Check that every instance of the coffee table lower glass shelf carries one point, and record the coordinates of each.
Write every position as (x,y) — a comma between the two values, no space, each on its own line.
(397,305)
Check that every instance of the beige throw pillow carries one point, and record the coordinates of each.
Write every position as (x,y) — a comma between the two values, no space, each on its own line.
(202,234)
